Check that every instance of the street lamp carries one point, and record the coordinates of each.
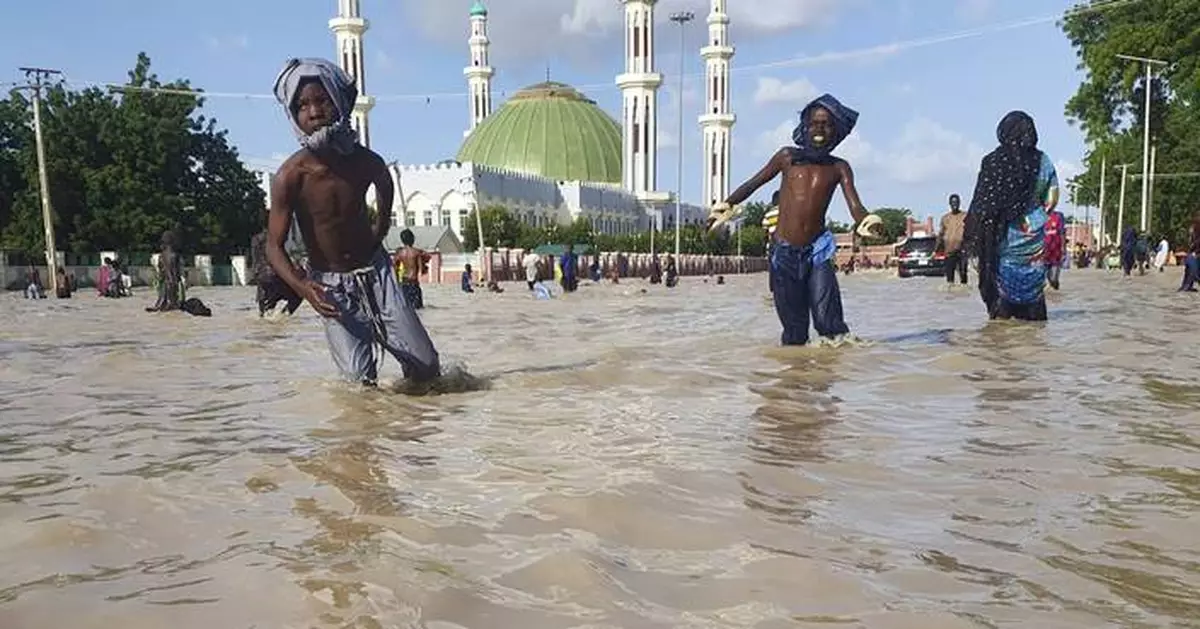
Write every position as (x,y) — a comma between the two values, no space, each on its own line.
(1121,204)
(681,18)
(1146,137)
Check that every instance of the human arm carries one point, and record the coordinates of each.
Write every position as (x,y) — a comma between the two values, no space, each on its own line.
(853,202)
(1049,175)
(279,223)
(385,194)
(760,179)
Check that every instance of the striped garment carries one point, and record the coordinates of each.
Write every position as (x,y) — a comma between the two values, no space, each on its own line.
(771,220)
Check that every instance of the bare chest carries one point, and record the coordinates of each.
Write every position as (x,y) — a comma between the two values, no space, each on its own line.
(329,194)
(807,180)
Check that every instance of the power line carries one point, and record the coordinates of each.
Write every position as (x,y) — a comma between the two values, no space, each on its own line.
(807,60)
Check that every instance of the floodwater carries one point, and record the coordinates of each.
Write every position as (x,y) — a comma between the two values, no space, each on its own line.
(639,460)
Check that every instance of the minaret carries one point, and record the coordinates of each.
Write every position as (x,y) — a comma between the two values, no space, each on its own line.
(348,28)
(716,123)
(479,73)
(639,95)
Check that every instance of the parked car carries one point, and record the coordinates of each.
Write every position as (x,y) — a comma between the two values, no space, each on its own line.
(919,256)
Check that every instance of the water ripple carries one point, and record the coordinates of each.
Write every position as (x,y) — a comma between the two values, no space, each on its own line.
(618,459)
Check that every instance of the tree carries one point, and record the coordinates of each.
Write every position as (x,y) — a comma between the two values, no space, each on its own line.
(124,166)
(753,212)
(895,224)
(500,229)
(754,240)
(1108,104)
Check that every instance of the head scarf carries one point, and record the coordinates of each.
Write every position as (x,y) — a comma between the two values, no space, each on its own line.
(1129,237)
(1003,193)
(1006,183)
(339,136)
(844,120)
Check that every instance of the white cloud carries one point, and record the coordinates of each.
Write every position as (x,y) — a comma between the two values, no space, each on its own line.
(974,10)
(771,90)
(229,42)
(1067,170)
(927,152)
(383,60)
(666,139)
(924,152)
(577,27)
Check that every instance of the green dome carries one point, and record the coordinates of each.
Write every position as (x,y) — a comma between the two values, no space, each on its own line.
(551,130)
(478,10)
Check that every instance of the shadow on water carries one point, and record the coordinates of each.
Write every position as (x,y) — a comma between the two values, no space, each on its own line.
(788,429)
(374,441)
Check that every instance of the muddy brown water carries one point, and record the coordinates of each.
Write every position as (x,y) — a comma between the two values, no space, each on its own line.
(639,460)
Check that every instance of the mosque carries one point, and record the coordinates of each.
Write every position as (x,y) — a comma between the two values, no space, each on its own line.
(550,154)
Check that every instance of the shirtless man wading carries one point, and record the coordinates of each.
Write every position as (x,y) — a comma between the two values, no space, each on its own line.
(324,186)
(803,273)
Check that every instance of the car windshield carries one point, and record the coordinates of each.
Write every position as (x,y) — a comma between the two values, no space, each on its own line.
(920,245)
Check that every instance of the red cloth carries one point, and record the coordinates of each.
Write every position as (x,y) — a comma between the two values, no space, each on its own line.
(102,279)
(1055,231)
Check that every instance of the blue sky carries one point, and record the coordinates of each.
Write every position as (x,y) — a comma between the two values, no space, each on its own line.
(927,112)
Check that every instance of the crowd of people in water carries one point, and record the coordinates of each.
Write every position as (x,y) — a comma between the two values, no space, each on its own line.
(369,298)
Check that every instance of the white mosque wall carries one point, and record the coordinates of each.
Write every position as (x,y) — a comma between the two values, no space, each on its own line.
(445,193)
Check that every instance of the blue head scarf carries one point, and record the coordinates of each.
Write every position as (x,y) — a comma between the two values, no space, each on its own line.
(844,120)
(339,136)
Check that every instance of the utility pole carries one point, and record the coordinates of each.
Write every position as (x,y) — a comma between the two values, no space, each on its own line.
(37,80)
(681,18)
(1150,197)
(1103,169)
(1150,63)
(1121,204)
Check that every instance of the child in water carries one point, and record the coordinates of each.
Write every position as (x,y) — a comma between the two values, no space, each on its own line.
(351,282)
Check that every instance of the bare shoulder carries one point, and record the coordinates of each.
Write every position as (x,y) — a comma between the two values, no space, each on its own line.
(370,158)
(843,168)
(292,167)
(783,156)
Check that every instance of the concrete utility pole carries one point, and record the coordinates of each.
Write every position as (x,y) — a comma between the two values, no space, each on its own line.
(1103,168)
(1121,204)
(681,18)
(37,80)
(1150,63)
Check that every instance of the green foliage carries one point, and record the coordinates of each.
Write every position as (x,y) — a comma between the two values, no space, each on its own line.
(894,227)
(753,212)
(1108,106)
(501,228)
(123,167)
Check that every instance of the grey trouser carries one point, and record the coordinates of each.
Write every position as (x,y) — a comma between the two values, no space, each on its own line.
(372,312)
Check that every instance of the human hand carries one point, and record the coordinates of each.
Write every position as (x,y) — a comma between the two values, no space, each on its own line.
(315,295)
(718,215)
(871,226)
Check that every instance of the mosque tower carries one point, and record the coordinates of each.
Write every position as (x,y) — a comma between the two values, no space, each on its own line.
(479,73)
(716,123)
(639,85)
(348,28)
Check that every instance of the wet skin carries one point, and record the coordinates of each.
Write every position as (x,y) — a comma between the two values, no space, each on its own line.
(807,189)
(326,193)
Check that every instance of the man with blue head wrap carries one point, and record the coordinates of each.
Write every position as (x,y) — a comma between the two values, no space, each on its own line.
(323,186)
(803,270)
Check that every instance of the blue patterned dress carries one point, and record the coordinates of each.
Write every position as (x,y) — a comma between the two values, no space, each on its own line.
(1022,270)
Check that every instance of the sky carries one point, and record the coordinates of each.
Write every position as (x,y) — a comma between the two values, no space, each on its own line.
(930,78)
